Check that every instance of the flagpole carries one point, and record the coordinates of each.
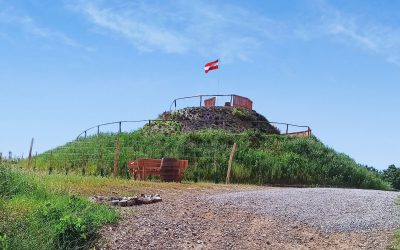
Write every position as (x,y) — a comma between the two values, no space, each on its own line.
(218,78)
(219,75)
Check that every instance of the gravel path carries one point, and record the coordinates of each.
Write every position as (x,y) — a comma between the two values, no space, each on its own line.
(329,209)
(266,218)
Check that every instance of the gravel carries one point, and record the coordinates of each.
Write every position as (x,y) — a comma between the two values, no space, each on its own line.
(222,217)
(328,209)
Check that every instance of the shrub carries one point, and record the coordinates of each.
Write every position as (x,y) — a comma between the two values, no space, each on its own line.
(33,217)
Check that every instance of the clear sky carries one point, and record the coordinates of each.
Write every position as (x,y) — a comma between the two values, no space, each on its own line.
(333,65)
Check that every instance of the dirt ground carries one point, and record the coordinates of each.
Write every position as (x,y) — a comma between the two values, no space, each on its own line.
(185,221)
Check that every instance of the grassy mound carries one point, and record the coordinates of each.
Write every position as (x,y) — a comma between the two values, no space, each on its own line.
(260,158)
(32,216)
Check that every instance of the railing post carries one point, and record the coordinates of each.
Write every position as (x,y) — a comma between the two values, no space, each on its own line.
(120,127)
(287,128)
(175,104)
(116,157)
(201,100)
(98,130)
(85,134)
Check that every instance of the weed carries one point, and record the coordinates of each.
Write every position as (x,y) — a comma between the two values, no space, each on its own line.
(38,216)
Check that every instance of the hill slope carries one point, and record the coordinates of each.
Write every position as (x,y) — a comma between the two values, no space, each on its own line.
(261,158)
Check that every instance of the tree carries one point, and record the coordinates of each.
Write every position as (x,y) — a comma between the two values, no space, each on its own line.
(392,175)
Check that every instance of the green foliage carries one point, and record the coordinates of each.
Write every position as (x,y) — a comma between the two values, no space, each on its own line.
(392,175)
(260,158)
(3,242)
(165,127)
(12,184)
(34,217)
(242,114)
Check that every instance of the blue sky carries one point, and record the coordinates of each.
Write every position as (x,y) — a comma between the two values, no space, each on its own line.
(333,65)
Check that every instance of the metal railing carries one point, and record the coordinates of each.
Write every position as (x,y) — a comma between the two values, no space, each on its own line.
(201,99)
(281,126)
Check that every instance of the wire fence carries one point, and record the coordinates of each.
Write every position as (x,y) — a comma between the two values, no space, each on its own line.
(129,126)
(99,155)
(101,149)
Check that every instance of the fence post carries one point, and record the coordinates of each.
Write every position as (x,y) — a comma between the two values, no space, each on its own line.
(98,130)
(51,163)
(120,125)
(85,134)
(201,100)
(228,173)
(34,163)
(215,169)
(30,156)
(287,128)
(116,157)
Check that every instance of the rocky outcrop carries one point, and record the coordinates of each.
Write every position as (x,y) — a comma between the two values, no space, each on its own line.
(225,118)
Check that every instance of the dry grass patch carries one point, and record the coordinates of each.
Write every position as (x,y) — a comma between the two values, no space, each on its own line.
(93,185)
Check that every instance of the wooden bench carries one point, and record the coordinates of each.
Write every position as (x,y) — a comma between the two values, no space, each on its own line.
(142,168)
(306,133)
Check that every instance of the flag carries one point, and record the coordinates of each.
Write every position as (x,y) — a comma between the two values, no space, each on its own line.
(211,66)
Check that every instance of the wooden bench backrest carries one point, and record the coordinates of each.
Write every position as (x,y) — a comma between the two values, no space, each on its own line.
(142,168)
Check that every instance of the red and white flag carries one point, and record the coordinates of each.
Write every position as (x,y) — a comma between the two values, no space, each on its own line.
(211,66)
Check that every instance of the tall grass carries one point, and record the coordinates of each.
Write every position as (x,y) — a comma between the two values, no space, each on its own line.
(33,216)
(260,158)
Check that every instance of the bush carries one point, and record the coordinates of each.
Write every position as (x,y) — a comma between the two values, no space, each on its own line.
(33,217)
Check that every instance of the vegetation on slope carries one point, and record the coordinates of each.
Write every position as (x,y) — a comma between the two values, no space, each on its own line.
(260,158)
(392,175)
(34,216)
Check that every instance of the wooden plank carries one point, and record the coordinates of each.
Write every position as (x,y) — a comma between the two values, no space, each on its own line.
(228,173)
(146,167)
(208,103)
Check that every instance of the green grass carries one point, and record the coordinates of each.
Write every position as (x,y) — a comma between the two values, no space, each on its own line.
(396,243)
(260,158)
(396,240)
(34,215)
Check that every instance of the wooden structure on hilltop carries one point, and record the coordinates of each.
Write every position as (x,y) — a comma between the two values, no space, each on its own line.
(236,101)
